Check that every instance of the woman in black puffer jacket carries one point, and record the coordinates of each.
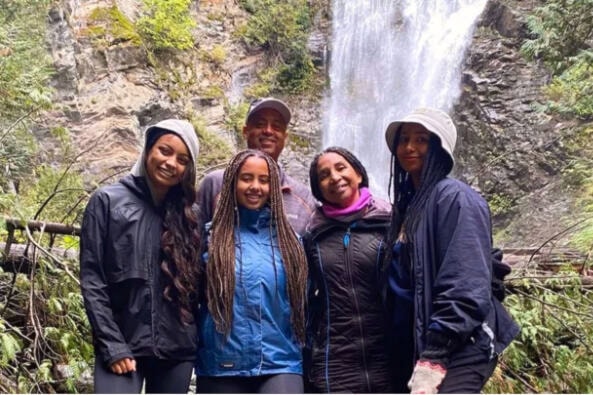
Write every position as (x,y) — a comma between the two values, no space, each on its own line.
(347,348)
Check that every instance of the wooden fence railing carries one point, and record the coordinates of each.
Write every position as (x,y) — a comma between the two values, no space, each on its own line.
(16,256)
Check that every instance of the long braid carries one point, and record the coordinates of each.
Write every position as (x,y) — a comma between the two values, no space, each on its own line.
(293,255)
(220,270)
(436,167)
(408,204)
(221,264)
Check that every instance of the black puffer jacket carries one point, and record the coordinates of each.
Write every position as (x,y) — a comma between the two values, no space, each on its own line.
(347,347)
(121,279)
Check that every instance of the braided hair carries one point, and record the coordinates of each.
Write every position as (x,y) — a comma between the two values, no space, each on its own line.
(409,204)
(220,270)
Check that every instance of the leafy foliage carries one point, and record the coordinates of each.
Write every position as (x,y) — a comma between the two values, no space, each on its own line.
(167,24)
(23,89)
(572,91)
(282,27)
(111,26)
(42,323)
(23,85)
(562,40)
(500,203)
(17,151)
(214,151)
(578,175)
(553,352)
(562,29)
(56,335)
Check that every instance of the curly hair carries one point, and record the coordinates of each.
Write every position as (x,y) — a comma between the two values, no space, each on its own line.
(350,158)
(220,270)
(181,246)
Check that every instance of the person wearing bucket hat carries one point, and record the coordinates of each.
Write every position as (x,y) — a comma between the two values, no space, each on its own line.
(451,327)
(265,129)
(140,247)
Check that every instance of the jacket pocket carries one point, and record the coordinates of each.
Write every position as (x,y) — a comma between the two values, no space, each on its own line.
(130,246)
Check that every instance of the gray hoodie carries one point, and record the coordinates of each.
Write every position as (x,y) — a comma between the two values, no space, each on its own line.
(182,128)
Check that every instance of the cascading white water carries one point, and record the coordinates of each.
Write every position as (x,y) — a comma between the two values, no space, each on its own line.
(387,58)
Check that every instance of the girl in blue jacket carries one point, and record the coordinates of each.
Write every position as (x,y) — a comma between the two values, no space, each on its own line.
(441,270)
(256,275)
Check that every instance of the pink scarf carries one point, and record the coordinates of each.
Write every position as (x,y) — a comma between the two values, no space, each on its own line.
(363,201)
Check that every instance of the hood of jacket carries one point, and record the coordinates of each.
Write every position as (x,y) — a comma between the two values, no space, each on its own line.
(181,128)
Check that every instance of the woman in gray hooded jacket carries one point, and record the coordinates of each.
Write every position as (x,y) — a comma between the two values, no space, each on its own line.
(139,252)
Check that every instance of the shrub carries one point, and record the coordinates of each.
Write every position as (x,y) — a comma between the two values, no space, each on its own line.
(110,26)
(217,55)
(167,24)
(282,27)
(214,151)
(561,29)
(572,91)
(552,354)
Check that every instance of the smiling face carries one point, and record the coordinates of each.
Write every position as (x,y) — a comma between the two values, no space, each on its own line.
(412,147)
(166,162)
(338,181)
(253,183)
(266,131)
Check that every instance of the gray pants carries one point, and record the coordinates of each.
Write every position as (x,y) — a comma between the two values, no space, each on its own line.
(269,384)
(159,376)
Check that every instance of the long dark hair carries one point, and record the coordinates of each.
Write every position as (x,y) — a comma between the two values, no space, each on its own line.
(181,244)
(220,270)
(409,204)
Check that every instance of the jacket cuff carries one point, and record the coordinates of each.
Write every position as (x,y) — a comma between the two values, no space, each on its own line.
(117,357)
(439,347)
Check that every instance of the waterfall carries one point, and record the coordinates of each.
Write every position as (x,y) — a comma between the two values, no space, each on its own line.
(387,58)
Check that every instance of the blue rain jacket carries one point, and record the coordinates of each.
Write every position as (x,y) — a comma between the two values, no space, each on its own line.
(261,340)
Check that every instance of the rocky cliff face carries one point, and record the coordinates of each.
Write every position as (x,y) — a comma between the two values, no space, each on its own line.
(107,94)
(513,153)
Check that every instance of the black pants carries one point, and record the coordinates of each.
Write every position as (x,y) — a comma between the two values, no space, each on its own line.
(467,378)
(160,376)
(269,384)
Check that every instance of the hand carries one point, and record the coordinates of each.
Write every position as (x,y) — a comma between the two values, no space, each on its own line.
(123,366)
(426,377)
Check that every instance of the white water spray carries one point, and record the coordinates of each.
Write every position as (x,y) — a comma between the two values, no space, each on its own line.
(389,57)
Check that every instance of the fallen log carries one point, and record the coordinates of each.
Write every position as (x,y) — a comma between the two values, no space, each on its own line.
(19,257)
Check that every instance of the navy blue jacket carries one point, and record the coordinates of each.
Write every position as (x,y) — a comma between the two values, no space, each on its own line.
(452,276)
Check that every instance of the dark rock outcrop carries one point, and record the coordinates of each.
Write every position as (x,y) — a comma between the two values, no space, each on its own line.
(507,148)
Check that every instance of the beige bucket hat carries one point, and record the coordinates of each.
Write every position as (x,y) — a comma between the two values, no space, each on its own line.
(434,120)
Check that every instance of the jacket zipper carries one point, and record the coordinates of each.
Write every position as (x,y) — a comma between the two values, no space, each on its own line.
(348,262)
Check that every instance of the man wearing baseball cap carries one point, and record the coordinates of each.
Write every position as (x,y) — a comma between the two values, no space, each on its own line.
(265,129)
